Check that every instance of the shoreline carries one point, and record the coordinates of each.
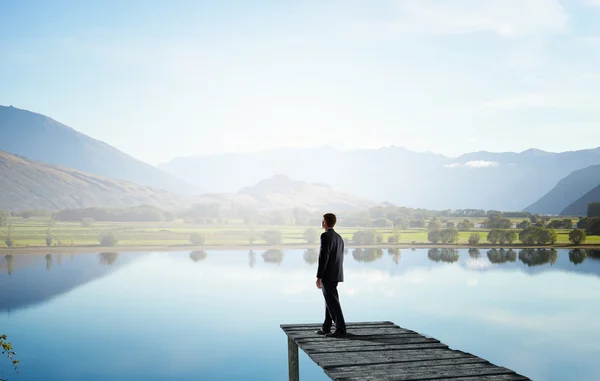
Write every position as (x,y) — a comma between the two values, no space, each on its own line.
(120,249)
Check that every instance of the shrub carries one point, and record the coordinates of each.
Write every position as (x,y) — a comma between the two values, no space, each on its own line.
(449,236)
(434,236)
(474,238)
(494,236)
(198,238)
(311,235)
(9,240)
(48,238)
(273,237)
(537,235)
(108,239)
(367,237)
(577,236)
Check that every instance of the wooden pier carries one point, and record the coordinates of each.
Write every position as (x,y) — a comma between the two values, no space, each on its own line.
(383,351)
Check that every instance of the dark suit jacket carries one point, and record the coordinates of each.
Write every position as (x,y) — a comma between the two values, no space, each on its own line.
(331,257)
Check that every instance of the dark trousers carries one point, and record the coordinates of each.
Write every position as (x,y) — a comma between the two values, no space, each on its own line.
(333,309)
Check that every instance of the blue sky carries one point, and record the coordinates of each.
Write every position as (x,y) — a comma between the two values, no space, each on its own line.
(179,78)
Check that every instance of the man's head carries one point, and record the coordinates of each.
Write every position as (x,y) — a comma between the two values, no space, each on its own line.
(329,221)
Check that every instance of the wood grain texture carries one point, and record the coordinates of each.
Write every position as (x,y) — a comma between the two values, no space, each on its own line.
(383,351)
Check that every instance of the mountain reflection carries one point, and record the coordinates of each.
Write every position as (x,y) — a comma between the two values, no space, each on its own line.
(501,255)
(34,279)
(443,255)
(367,255)
(538,257)
(310,256)
(395,253)
(577,256)
(198,255)
(273,256)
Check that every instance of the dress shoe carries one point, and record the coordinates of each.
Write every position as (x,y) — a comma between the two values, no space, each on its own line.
(321,332)
(336,334)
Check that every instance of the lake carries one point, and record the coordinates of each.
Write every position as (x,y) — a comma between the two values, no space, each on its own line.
(215,315)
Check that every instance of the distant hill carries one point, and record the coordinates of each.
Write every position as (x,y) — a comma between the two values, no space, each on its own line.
(39,137)
(506,181)
(579,206)
(27,184)
(281,191)
(568,191)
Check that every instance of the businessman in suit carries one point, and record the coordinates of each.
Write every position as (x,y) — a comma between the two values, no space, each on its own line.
(329,274)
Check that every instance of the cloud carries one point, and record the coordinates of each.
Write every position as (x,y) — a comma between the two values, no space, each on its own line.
(593,3)
(508,18)
(474,164)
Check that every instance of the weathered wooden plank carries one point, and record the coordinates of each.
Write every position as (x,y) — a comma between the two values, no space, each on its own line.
(313,345)
(383,351)
(357,338)
(353,326)
(434,373)
(405,347)
(360,340)
(494,377)
(475,365)
(355,333)
(348,324)
(386,369)
(382,357)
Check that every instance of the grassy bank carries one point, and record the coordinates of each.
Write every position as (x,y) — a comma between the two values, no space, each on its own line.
(31,233)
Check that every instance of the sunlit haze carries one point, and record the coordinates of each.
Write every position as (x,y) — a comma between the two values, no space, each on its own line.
(165,79)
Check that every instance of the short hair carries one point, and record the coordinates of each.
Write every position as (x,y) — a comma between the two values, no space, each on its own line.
(330,219)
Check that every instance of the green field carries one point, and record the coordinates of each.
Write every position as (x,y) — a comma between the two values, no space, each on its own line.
(32,232)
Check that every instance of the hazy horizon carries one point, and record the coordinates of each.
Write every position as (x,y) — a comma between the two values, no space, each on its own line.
(190,78)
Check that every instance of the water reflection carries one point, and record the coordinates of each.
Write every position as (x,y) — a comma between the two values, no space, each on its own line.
(593,254)
(577,256)
(198,255)
(273,256)
(538,257)
(443,255)
(9,263)
(499,256)
(474,253)
(311,256)
(48,261)
(107,259)
(367,255)
(251,259)
(395,253)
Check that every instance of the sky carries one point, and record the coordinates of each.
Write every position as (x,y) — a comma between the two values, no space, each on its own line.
(164,79)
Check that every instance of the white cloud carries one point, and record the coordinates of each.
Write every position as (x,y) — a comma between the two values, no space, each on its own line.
(509,18)
(595,3)
(474,164)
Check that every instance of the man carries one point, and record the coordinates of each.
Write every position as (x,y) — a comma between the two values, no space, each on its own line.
(330,272)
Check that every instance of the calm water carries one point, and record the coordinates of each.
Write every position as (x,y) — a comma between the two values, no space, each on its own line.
(215,315)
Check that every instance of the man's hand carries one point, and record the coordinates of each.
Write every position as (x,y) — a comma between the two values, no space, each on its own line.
(319,283)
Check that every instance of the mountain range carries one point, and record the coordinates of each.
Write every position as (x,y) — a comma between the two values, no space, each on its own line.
(38,137)
(28,184)
(483,180)
(60,165)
